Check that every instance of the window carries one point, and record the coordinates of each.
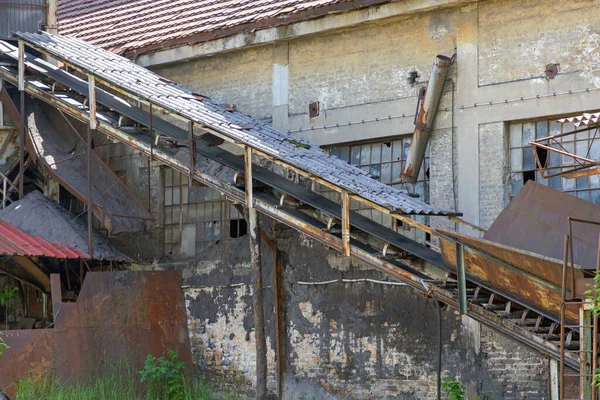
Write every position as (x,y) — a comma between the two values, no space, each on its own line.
(522,160)
(198,209)
(384,161)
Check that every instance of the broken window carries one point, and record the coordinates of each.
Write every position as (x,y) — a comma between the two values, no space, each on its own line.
(522,158)
(384,161)
(198,212)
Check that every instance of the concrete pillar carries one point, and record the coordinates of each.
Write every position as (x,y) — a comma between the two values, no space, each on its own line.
(467,135)
(280,85)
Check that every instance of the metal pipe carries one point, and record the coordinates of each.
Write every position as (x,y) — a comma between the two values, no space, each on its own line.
(425,118)
(439,349)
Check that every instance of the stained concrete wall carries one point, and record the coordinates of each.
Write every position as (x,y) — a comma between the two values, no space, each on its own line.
(359,340)
(343,340)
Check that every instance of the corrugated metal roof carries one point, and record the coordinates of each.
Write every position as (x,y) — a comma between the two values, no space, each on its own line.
(583,119)
(22,15)
(14,242)
(257,134)
(123,25)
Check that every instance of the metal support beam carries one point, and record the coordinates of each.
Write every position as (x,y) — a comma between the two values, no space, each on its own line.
(280,329)
(34,271)
(251,216)
(1,107)
(21,85)
(248,175)
(192,148)
(345,223)
(461,278)
(585,347)
(56,294)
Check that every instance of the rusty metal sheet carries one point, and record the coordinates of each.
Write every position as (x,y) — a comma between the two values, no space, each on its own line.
(119,316)
(529,278)
(536,221)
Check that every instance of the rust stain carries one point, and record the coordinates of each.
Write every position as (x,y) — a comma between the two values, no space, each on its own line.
(530,278)
(118,317)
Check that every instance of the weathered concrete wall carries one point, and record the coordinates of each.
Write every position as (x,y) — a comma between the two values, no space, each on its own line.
(240,78)
(518,39)
(343,340)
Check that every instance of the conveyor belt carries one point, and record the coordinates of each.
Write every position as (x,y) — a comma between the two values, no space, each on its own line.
(260,174)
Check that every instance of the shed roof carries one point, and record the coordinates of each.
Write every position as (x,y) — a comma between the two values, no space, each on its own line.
(233,124)
(14,242)
(144,25)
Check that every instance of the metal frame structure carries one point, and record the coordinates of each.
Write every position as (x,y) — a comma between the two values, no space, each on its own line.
(551,144)
(587,328)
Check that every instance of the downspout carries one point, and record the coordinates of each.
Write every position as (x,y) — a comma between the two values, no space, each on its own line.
(427,106)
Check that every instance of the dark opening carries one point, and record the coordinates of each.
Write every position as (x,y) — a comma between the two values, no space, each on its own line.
(542,155)
(528,176)
(412,77)
(237,228)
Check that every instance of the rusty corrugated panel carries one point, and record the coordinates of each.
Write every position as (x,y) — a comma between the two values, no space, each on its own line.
(119,316)
(530,278)
(21,15)
(536,221)
(14,242)
(235,125)
(143,25)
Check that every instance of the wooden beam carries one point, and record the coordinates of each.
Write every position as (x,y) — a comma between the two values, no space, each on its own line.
(248,176)
(345,223)
(280,325)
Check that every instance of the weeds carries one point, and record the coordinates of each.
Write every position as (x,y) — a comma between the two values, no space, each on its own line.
(116,383)
(3,345)
(164,376)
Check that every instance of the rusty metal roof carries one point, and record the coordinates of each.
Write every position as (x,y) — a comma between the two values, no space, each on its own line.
(259,135)
(583,119)
(14,242)
(143,25)
(536,220)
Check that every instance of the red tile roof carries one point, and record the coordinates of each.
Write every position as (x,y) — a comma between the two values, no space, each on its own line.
(137,26)
(14,242)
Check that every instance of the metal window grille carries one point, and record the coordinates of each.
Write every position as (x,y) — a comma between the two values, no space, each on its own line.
(522,159)
(198,209)
(384,161)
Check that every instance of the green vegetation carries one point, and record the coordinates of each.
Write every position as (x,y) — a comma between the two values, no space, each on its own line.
(3,345)
(452,387)
(160,379)
(593,294)
(5,295)
(164,376)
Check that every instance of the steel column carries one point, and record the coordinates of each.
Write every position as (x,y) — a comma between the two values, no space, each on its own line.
(280,329)
(251,216)
(461,278)
(92,125)
(585,347)
(22,125)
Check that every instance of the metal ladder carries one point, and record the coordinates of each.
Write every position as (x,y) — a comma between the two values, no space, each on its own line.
(581,338)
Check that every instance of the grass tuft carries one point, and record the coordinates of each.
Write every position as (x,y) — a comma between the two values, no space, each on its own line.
(115,384)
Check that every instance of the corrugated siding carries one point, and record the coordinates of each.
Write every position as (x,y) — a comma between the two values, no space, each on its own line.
(21,15)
